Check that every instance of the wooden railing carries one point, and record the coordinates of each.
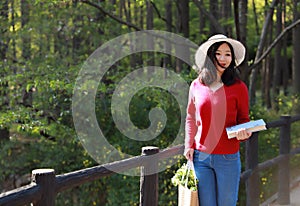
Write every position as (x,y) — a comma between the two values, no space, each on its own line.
(45,185)
(253,167)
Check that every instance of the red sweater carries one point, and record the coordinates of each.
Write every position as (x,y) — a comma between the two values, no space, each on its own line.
(209,113)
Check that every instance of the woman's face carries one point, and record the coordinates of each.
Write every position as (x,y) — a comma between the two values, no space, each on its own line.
(224,57)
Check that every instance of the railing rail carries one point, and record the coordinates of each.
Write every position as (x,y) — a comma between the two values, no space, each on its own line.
(46,185)
(253,167)
(20,196)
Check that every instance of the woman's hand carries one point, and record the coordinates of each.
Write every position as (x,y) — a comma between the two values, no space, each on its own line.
(189,153)
(243,134)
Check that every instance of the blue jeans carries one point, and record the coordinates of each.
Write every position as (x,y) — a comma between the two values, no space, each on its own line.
(219,177)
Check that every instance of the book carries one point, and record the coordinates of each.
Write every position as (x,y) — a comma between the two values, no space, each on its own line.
(252,126)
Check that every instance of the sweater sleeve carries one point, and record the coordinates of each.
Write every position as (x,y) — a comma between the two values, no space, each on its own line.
(243,105)
(190,122)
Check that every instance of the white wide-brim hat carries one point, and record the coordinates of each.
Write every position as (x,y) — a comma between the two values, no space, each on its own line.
(238,47)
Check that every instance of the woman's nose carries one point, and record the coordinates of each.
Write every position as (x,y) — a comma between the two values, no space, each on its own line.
(221,57)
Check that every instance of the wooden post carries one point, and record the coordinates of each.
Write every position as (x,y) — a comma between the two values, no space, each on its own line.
(149,178)
(252,183)
(45,179)
(284,164)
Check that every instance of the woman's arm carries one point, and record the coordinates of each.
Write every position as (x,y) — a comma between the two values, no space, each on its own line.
(190,125)
(243,112)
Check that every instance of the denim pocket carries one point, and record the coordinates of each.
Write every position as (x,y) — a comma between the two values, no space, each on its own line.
(231,156)
(200,156)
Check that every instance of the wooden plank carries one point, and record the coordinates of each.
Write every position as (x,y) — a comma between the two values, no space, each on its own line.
(284,164)
(45,178)
(79,177)
(21,196)
(149,178)
(252,183)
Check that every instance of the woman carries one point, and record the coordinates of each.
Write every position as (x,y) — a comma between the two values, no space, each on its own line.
(217,99)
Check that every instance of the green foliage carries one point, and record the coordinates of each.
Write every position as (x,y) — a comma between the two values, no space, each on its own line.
(124,190)
(185,176)
(167,191)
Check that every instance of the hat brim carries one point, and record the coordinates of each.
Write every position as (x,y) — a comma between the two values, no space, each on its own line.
(238,47)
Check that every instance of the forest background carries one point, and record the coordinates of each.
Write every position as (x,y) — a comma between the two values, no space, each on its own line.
(43,45)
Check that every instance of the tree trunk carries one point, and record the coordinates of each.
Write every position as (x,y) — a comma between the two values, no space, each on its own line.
(183,25)
(184,8)
(213,9)
(139,19)
(296,52)
(3,29)
(266,84)
(149,20)
(141,22)
(201,20)
(150,41)
(268,67)
(286,68)
(125,8)
(242,35)
(169,16)
(243,8)
(4,132)
(255,18)
(78,20)
(261,45)
(226,16)
(277,58)
(136,14)
(25,13)
(168,7)
(213,21)
(14,48)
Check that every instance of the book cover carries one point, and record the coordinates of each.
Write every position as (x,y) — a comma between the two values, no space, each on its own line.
(253,126)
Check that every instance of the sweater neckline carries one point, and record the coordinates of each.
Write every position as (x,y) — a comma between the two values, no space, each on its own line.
(210,89)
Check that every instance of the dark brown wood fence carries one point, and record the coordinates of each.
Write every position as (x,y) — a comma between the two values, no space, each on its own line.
(253,167)
(45,185)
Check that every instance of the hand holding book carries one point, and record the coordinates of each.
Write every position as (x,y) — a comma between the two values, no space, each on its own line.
(252,126)
(243,134)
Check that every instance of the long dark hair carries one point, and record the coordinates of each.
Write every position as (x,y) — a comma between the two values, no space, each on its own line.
(208,73)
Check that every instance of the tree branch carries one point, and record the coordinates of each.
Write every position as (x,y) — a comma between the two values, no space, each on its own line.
(259,51)
(212,19)
(121,21)
(263,35)
(159,15)
(277,39)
